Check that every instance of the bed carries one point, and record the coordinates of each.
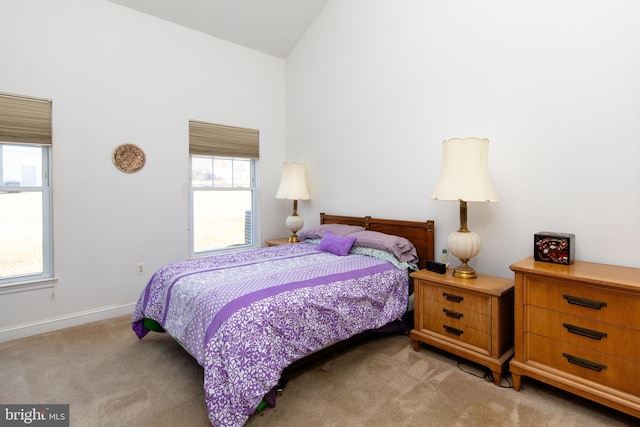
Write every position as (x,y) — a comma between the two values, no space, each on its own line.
(246,316)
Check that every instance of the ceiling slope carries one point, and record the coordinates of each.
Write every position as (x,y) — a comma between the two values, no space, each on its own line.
(269,26)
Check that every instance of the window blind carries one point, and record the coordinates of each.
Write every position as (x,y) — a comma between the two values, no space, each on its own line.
(25,120)
(219,140)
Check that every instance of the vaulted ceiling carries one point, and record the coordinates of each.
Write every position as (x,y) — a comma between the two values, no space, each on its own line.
(269,26)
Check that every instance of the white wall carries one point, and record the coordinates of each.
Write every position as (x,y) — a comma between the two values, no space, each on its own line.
(118,76)
(371,91)
(375,86)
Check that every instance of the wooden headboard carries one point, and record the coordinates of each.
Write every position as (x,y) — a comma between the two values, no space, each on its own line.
(421,234)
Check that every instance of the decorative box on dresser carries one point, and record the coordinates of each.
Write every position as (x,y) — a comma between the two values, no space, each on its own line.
(577,327)
(471,318)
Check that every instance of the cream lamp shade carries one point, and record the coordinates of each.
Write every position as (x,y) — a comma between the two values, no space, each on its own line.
(465,171)
(293,186)
(465,177)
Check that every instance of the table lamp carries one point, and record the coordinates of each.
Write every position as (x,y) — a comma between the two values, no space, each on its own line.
(293,186)
(465,177)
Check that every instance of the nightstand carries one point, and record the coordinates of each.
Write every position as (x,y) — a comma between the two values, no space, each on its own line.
(471,318)
(277,242)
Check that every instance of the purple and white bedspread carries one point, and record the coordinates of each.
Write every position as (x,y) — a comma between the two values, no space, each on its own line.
(246,316)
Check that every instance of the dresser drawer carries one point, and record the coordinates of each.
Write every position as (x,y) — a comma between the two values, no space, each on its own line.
(459,332)
(581,331)
(606,306)
(459,317)
(458,299)
(601,368)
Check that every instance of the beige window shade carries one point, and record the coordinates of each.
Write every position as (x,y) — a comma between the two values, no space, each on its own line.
(220,140)
(25,120)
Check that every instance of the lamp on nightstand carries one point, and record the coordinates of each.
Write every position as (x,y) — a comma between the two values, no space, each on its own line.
(465,177)
(293,186)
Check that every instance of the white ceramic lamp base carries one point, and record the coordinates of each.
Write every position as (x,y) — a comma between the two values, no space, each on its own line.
(464,245)
(294,223)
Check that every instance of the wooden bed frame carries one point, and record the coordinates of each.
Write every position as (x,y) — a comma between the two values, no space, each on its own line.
(421,234)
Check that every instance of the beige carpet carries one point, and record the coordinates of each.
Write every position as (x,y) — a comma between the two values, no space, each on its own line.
(110,378)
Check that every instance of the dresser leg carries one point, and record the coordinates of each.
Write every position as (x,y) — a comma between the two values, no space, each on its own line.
(497,376)
(416,345)
(516,381)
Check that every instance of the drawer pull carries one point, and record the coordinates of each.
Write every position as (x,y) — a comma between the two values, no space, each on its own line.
(453,314)
(584,362)
(452,297)
(589,333)
(584,302)
(453,331)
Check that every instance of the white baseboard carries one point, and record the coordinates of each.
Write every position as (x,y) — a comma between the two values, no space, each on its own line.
(66,321)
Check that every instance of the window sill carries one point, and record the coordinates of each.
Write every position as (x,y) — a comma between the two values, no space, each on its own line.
(29,285)
(227,250)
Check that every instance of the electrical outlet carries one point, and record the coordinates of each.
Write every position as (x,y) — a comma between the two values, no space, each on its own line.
(141,268)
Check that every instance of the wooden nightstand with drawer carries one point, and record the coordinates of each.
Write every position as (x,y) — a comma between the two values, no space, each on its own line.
(277,242)
(471,318)
(577,327)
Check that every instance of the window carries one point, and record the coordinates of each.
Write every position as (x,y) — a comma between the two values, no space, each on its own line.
(25,191)
(223,210)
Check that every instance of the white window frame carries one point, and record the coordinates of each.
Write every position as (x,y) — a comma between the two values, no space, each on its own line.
(255,215)
(45,278)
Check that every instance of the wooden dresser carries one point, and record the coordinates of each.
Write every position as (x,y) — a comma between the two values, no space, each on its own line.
(577,327)
(471,318)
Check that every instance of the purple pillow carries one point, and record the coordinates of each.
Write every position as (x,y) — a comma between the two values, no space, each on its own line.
(402,248)
(337,245)
(337,229)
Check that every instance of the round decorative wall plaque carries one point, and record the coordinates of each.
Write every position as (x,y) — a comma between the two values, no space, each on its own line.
(128,158)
